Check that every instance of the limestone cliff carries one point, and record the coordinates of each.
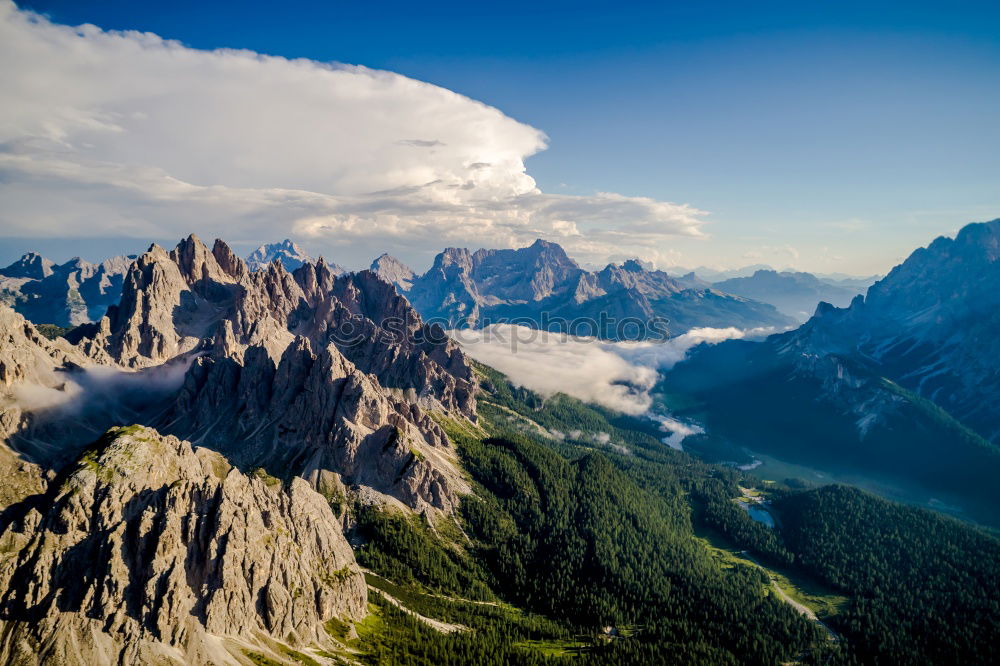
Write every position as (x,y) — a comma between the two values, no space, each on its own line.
(308,373)
(150,551)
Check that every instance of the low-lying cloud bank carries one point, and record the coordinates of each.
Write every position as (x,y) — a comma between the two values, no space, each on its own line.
(97,389)
(550,363)
(127,134)
(618,375)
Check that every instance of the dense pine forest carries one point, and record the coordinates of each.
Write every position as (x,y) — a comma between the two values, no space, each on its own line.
(923,587)
(588,540)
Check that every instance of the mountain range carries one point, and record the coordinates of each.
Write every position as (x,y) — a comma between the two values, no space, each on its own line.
(542,287)
(713,275)
(290,373)
(795,294)
(904,379)
(532,285)
(66,295)
(465,288)
(236,466)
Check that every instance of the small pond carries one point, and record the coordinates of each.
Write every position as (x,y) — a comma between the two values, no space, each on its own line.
(758,513)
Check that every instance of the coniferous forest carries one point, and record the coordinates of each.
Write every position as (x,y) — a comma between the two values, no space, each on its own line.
(571,549)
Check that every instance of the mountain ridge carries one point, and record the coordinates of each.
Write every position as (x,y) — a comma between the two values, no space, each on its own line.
(918,348)
(257,353)
(796,294)
(465,288)
(75,292)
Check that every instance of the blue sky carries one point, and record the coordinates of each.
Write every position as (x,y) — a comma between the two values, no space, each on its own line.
(826,137)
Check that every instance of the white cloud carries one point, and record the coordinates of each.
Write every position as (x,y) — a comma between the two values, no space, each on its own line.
(109,133)
(664,355)
(96,389)
(677,431)
(618,375)
(556,363)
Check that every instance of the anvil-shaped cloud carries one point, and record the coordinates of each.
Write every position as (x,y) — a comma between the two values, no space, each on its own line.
(125,133)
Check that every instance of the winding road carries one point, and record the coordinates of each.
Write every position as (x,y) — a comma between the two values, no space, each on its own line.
(443,627)
(801,608)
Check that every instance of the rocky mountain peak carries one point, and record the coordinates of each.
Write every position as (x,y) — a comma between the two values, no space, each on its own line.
(393,271)
(631,275)
(150,551)
(549,253)
(30,265)
(197,263)
(544,247)
(269,350)
(633,266)
(525,274)
(228,261)
(290,254)
(453,256)
(75,264)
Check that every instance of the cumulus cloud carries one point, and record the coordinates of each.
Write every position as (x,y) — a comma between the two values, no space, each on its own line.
(618,375)
(124,133)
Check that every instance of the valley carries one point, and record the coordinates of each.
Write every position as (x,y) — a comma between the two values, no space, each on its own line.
(499,334)
(467,519)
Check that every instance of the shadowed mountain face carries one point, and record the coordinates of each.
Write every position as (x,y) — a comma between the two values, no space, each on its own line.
(905,379)
(930,325)
(531,284)
(794,294)
(718,275)
(69,294)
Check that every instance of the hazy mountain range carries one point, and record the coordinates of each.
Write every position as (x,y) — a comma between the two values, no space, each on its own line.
(794,294)
(466,288)
(462,288)
(68,294)
(713,275)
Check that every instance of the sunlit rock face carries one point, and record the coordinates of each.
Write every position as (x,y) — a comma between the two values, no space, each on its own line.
(308,374)
(151,551)
(540,284)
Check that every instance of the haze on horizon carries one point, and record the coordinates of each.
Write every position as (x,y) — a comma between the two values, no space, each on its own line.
(714,136)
